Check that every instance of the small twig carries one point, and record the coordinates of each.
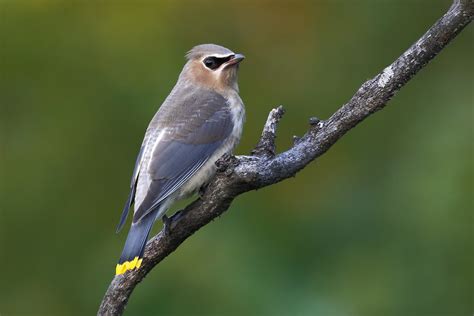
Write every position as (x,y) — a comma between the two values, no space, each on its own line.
(266,145)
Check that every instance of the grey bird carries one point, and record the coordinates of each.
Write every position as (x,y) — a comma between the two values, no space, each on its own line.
(200,120)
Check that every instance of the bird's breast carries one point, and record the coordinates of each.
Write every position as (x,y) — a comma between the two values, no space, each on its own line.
(237,111)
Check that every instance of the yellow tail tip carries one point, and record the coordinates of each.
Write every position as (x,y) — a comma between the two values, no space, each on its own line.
(128,265)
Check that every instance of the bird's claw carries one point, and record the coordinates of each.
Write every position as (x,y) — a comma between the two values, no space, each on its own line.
(202,189)
(166,225)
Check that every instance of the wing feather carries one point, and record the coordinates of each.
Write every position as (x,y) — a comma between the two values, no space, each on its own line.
(131,195)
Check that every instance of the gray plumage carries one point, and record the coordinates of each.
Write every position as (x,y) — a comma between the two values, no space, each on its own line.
(207,50)
(199,121)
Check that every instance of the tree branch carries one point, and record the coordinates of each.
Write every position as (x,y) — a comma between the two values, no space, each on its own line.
(266,145)
(240,174)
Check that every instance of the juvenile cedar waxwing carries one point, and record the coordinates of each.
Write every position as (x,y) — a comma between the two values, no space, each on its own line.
(200,120)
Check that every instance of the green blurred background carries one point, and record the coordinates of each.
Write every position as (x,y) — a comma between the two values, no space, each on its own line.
(379,225)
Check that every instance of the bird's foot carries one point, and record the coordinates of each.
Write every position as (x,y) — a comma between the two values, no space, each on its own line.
(166,225)
(168,221)
(202,189)
(176,216)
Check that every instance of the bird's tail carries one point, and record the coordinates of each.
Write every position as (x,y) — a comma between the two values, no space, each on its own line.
(132,252)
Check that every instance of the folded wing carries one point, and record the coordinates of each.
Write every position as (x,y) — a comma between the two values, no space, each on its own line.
(194,129)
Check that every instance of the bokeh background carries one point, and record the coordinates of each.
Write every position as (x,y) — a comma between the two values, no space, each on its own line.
(379,225)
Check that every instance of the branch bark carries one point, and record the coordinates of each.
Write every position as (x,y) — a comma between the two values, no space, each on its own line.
(240,174)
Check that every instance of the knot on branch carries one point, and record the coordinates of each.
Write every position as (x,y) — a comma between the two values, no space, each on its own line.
(315,125)
(266,146)
(314,121)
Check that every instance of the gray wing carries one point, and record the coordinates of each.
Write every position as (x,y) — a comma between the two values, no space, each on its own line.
(198,126)
(133,187)
(133,183)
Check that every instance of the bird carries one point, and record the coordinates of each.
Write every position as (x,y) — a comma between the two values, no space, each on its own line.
(201,120)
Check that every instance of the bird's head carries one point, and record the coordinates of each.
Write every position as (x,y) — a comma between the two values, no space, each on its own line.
(212,66)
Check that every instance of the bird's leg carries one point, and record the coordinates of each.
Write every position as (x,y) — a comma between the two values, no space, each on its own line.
(177,215)
(166,225)
(202,189)
(168,221)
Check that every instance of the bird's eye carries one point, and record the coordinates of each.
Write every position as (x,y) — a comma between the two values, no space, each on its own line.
(215,62)
(211,63)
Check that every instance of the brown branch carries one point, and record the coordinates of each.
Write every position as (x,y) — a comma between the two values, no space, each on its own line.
(240,174)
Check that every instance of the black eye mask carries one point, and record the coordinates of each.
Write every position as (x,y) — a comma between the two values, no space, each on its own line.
(215,62)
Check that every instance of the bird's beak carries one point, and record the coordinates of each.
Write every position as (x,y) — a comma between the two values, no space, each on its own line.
(235,60)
